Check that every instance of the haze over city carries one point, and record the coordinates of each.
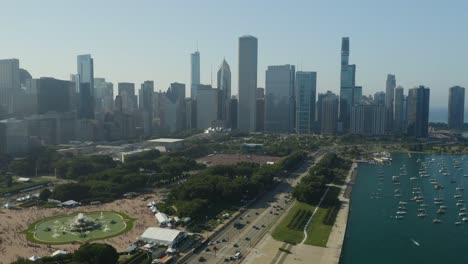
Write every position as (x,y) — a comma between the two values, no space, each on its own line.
(421,42)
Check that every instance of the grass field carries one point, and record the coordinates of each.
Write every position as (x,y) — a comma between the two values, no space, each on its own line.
(55,230)
(287,230)
(320,227)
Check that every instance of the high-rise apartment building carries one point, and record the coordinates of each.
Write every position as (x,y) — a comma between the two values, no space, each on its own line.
(328,113)
(389,91)
(368,118)
(305,91)
(347,84)
(456,108)
(418,112)
(279,99)
(248,53)
(398,114)
(194,73)
(129,99)
(379,98)
(9,83)
(146,106)
(85,81)
(103,96)
(207,109)
(53,95)
(224,90)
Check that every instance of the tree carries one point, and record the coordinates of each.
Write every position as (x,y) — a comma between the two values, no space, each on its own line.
(9,180)
(45,195)
(96,253)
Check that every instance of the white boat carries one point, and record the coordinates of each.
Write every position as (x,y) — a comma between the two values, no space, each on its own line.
(457,196)
(422,215)
(413,178)
(402,203)
(463,209)
(443,207)
(459,204)
(399,217)
(415,242)
(465,219)
(436,221)
(401,213)
(458,223)
(461,214)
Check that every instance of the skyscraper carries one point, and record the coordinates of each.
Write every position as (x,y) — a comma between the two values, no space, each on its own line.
(329,113)
(368,118)
(418,112)
(379,98)
(85,89)
(53,95)
(456,108)
(347,84)
(306,87)
(389,91)
(103,96)
(224,90)
(9,83)
(146,106)
(194,73)
(207,98)
(128,97)
(279,98)
(398,109)
(248,52)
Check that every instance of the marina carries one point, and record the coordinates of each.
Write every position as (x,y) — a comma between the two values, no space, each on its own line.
(415,198)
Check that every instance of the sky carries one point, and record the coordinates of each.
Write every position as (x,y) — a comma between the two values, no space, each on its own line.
(421,42)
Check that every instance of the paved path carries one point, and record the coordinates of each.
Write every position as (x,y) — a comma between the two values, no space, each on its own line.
(268,249)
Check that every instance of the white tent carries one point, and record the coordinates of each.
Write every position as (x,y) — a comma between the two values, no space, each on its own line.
(59,252)
(8,205)
(34,258)
(162,236)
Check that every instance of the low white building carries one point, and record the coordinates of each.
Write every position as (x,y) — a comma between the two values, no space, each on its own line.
(162,236)
(162,218)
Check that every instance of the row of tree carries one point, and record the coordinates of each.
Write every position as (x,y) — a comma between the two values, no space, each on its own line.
(94,253)
(329,168)
(220,187)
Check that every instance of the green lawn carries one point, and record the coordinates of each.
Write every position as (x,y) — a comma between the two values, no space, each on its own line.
(58,230)
(286,234)
(19,186)
(318,231)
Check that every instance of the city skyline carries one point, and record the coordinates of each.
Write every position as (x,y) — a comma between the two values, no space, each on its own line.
(167,61)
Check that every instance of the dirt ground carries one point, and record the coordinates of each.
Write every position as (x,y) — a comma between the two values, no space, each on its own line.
(230,159)
(13,243)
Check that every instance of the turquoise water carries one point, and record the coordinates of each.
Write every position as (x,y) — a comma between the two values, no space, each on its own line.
(374,235)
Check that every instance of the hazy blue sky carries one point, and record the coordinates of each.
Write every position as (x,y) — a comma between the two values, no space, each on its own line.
(422,42)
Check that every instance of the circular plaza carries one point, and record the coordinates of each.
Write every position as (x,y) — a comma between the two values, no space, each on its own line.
(79,227)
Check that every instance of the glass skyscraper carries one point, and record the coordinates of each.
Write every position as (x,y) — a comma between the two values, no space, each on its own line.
(305,91)
(347,84)
(279,98)
(456,108)
(247,102)
(85,83)
(194,73)
(418,112)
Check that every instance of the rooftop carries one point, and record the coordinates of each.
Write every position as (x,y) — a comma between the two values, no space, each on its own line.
(166,140)
(161,233)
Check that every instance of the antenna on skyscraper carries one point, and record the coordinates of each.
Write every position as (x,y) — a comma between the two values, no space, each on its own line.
(197,45)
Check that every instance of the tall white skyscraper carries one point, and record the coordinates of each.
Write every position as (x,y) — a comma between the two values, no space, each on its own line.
(194,73)
(85,68)
(279,98)
(248,54)
(9,83)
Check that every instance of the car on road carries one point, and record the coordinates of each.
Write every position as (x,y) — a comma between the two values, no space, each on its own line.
(201,259)
(235,245)
(247,238)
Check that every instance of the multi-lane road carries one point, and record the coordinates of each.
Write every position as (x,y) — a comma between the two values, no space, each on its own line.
(256,221)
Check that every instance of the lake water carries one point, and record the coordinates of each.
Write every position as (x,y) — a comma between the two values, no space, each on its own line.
(374,235)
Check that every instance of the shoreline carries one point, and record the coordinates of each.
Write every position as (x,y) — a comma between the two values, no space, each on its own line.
(337,235)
